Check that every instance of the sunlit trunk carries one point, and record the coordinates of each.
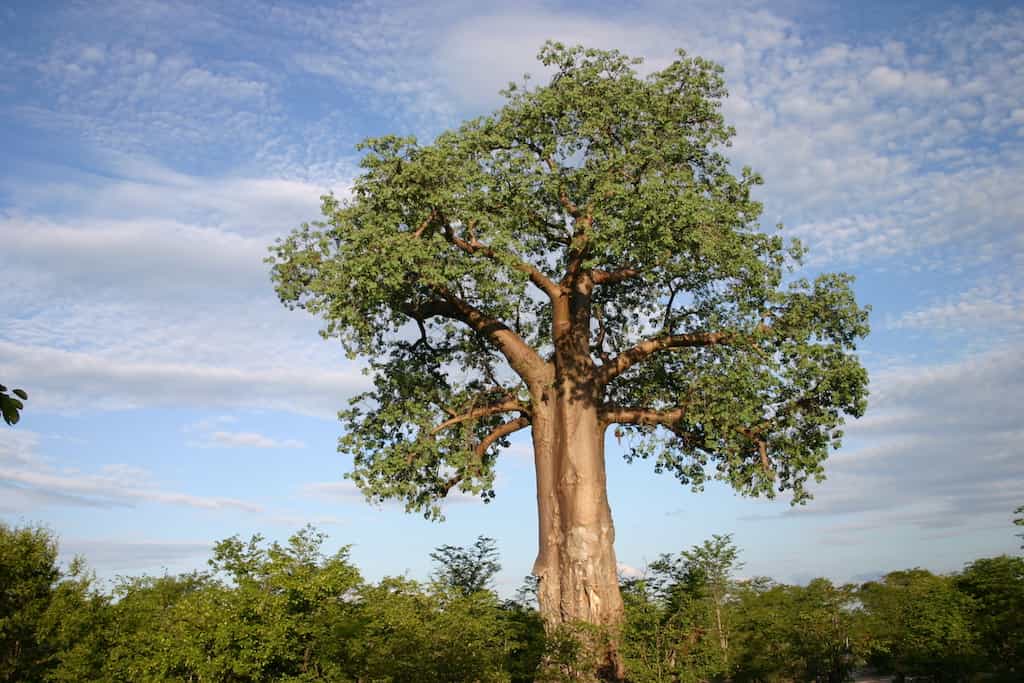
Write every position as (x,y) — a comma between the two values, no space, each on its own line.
(547,567)
(576,563)
(576,566)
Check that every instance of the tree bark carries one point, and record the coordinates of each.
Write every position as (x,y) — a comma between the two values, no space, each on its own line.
(578,575)
(576,560)
(547,567)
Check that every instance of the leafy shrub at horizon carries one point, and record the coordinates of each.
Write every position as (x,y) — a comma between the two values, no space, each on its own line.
(289,612)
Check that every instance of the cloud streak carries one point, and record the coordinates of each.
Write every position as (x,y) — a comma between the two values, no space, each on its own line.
(939,449)
(30,478)
(250,440)
(71,381)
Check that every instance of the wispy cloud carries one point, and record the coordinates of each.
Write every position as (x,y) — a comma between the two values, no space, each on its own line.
(250,440)
(993,306)
(940,448)
(333,491)
(74,381)
(210,432)
(29,478)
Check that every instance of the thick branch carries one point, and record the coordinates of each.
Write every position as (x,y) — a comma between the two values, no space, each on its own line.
(473,246)
(510,427)
(649,347)
(499,432)
(609,277)
(507,406)
(424,224)
(642,416)
(520,356)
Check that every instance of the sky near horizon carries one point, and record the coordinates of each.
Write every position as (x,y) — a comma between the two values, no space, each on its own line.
(154,150)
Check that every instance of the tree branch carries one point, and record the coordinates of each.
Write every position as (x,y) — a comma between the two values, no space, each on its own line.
(762,448)
(523,359)
(609,277)
(502,430)
(641,416)
(473,246)
(506,406)
(563,197)
(667,323)
(649,347)
(424,224)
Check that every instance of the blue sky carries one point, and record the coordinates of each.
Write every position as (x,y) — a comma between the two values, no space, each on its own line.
(154,150)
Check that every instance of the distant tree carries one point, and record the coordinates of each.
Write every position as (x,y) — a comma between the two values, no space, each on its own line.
(467,570)
(920,625)
(28,574)
(11,404)
(678,615)
(764,618)
(799,633)
(666,640)
(702,575)
(411,634)
(267,612)
(584,257)
(148,639)
(996,585)
(526,593)
(53,621)
(823,633)
(76,627)
(288,605)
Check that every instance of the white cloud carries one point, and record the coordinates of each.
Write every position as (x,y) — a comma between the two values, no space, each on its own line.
(914,83)
(157,294)
(81,382)
(847,130)
(987,311)
(201,79)
(156,196)
(31,481)
(940,448)
(251,440)
(333,491)
(481,55)
(165,256)
(297,520)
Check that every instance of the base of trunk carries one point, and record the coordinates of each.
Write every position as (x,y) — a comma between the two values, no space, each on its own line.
(578,592)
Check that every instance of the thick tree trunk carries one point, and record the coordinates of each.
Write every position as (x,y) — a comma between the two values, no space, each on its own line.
(576,560)
(547,567)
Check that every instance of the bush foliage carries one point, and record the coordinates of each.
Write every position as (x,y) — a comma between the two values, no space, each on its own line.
(290,612)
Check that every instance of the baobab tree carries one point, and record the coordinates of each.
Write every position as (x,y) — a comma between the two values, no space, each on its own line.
(583,258)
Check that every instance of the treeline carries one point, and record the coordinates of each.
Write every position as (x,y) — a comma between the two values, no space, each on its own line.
(273,612)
